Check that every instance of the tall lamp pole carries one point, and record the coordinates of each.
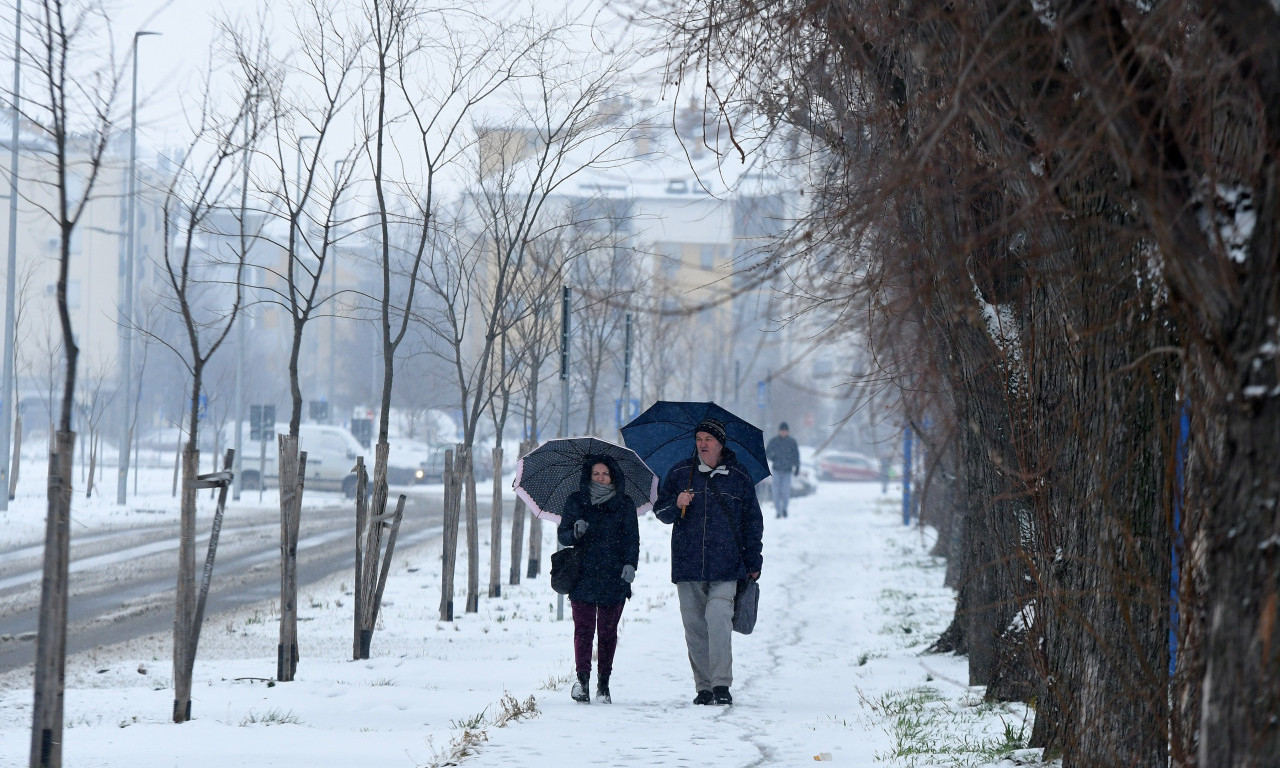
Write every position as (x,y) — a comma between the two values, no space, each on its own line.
(239,408)
(7,405)
(566,336)
(126,312)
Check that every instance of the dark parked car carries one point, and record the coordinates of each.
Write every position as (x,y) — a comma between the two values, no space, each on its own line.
(845,465)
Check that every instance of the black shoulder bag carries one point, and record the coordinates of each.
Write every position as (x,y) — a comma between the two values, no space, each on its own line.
(564,570)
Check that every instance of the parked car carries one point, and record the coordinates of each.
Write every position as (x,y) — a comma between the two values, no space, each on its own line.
(331,457)
(414,461)
(846,465)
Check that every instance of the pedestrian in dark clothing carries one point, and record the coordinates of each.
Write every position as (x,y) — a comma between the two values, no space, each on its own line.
(716,539)
(784,460)
(601,523)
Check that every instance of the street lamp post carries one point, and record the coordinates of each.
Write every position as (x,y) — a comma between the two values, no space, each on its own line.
(333,311)
(126,313)
(239,409)
(8,406)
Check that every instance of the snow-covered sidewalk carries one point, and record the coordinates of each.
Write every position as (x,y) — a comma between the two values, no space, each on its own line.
(850,598)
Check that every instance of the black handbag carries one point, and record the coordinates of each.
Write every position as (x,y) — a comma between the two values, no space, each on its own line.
(745,605)
(564,570)
(746,601)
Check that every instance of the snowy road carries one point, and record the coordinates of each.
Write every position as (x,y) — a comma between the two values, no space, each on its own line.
(122,580)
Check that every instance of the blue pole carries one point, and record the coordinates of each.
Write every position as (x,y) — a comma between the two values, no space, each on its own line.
(1179,477)
(906,476)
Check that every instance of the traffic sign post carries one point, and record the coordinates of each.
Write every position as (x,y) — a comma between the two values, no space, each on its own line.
(262,427)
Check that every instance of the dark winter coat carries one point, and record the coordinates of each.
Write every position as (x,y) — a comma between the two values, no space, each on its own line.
(611,542)
(783,454)
(718,539)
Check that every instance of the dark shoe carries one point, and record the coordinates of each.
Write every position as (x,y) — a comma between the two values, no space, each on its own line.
(581,689)
(602,691)
(721,693)
(704,697)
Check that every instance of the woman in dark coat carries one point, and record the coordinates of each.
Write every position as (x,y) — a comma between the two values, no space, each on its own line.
(600,521)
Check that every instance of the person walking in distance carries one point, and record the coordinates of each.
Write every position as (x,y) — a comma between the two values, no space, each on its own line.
(784,461)
(717,530)
(600,521)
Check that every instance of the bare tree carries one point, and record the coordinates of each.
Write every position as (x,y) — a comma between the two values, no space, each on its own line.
(563,124)
(93,403)
(605,271)
(531,342)
(206,291)
(22,333)
(1057,220)
(309,98)
(73,113)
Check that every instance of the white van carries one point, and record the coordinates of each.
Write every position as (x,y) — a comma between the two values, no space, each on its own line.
(331,459)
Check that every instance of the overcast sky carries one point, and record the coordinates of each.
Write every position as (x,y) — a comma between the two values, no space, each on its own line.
(172,62)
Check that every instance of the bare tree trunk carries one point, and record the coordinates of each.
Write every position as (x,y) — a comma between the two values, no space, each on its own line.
(362,515)
(177,462)
(495,527)
(517,526)
(292,475)
(16,462)
(371,555)
(185,602)
(51,641)
(94,443)
(473,537)
(535,547)
(452,508)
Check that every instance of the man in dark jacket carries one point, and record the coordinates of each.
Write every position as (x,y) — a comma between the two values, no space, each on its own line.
(784,461)
(717,528)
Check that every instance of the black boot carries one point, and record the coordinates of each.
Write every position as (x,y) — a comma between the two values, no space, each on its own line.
(721,693)
(602,690)
(581,692)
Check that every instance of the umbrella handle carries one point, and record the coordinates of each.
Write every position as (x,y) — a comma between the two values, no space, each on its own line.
(689,489)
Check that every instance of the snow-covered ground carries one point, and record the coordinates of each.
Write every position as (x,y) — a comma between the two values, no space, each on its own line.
(834,670)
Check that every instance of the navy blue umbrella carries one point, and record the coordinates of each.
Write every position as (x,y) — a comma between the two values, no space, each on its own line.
(663,436)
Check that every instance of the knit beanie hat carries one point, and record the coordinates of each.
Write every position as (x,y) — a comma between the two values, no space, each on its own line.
(713,428)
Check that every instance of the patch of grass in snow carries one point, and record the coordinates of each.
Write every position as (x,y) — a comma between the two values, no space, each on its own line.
(472,730)
(555,682)
(470,723)
(929,730)
(272,717)
(383,682)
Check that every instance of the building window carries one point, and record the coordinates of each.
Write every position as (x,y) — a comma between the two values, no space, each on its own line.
(670,258)
(708,257)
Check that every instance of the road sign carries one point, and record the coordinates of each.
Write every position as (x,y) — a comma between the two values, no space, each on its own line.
(632,411)
(320,411)
(363,430)
(262,422)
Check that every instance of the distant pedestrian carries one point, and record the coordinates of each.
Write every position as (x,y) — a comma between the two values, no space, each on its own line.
(601,523)
(784,460)
(716,539)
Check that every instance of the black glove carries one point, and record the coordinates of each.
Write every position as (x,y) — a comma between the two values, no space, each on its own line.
(628,573)
(580,528)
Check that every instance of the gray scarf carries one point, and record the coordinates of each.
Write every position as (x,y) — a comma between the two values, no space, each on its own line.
(600,493)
